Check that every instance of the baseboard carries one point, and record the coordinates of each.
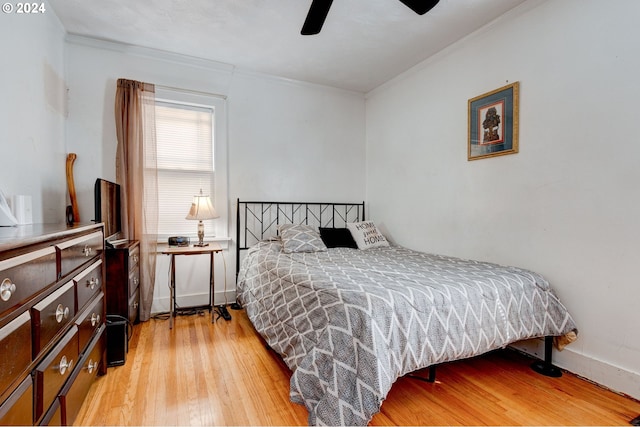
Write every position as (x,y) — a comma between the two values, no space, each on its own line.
(602,373)
(161,305)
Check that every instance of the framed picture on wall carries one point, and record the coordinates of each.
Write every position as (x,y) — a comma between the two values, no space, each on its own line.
(493,123)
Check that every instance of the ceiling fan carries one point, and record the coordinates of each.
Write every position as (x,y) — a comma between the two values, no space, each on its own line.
(319,9)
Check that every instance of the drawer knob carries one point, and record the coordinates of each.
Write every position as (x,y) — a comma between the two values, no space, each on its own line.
(87,251)
(62,313)
(7,288)
(91,366)
(95,319)
(64,365)
(93,283)
(135,259)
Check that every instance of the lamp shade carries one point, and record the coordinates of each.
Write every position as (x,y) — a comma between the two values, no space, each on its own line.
(201,208)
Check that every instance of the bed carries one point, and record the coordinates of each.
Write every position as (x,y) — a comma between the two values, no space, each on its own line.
(349,317)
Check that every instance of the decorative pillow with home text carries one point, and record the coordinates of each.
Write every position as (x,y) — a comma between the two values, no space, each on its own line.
(367,235)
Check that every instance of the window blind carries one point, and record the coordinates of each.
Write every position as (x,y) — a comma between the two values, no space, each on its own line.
(185,150)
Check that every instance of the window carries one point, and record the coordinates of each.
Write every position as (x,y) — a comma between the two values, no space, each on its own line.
(189,143)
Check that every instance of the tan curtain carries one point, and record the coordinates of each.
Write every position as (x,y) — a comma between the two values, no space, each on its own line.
(136,172)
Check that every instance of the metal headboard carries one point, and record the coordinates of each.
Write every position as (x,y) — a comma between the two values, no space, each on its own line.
(259,220)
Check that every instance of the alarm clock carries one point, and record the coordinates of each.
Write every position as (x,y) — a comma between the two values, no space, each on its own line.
(178,241)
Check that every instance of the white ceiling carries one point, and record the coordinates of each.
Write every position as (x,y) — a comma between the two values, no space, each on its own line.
(363,43)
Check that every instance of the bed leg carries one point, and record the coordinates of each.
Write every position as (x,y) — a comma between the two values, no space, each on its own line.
(432,374)
(430,379)
(546,367)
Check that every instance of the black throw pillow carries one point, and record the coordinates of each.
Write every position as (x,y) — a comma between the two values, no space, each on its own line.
(337,238)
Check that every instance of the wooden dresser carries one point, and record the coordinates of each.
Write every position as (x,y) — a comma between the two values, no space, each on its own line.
(52,321)
(123,278)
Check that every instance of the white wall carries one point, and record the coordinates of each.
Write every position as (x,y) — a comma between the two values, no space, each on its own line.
(93,68)
(567,205)
(32,112)
(295,142)
(286,140)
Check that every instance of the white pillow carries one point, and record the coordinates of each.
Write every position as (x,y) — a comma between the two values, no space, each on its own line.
(367,235)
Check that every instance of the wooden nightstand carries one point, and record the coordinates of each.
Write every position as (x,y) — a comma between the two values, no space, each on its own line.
(123,280)
(123,298)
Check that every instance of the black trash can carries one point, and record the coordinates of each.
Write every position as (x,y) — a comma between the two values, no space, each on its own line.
(118,334)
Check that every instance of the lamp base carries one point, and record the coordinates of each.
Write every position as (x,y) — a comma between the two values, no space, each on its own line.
(200,245)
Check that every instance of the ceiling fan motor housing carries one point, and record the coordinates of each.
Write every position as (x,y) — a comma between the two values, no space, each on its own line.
(320,8)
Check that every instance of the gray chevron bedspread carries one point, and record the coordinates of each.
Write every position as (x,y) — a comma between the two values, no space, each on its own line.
(349,322)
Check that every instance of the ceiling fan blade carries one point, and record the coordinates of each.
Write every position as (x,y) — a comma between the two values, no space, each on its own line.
(420,6)
(316,16)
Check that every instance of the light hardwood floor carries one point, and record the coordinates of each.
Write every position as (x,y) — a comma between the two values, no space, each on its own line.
(222,374)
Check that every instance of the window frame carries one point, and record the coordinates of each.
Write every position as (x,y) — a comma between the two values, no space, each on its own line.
(220,180)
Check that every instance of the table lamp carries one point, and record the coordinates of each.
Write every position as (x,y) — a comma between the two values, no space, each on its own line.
(201,208)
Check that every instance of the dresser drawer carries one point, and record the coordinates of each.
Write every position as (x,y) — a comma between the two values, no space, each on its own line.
(17,410)
(24,276)
(15,349)
(90,320)
(88,283)
(134,281)
(134,303)
(52,314)
(54,370)
(134,257)
(75,390)
(78,251)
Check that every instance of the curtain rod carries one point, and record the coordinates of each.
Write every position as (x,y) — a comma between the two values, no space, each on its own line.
(195,92)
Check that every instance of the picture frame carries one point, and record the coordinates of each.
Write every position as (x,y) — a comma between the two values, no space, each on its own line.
(493,123)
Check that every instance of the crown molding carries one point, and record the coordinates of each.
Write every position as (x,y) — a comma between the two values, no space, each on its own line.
(147,52)
(258,75)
